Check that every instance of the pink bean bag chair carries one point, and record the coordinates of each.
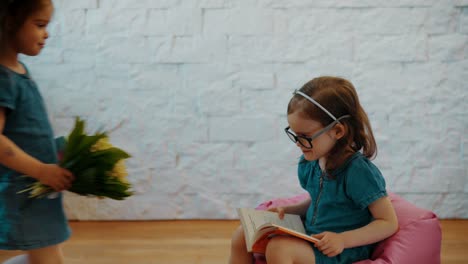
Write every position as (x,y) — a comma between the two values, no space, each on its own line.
(417,241)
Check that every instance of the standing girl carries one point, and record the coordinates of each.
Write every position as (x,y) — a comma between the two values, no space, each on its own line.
(27,145)
(348,208)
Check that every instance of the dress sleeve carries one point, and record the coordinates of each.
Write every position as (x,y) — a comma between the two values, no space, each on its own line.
(304,171)
(364,183)
(8,93)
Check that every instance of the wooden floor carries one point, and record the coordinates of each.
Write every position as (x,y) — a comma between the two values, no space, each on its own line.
(190,242)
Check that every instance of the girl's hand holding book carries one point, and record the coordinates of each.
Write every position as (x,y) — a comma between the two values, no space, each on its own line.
(330,244)
(55,177)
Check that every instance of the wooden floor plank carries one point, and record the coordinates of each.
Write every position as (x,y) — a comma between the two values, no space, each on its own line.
(190,242)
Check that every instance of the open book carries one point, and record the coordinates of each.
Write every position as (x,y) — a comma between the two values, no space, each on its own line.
(260,226)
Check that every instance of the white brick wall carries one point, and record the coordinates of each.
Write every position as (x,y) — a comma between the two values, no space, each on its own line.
(197,91)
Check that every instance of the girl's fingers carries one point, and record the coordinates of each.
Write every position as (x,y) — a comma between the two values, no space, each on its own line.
(60,186)
(327,251)
(325,246)
(281,213)
(67,179)
(278,210)
(70,175)
(56,187)
(319,236)
(65,182)
(322,240)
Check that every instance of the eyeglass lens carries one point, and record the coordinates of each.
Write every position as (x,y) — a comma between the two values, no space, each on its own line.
(305,142)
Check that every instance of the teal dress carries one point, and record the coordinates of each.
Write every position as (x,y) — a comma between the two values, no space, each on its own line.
(27,223)
(339,202)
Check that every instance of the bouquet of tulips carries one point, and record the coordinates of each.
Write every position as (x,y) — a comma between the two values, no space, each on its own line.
(98,166)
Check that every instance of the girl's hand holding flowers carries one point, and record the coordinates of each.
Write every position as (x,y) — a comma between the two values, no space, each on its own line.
(90,166)
(54,176)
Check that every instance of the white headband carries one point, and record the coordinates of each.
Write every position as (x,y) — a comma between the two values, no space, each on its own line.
(315,103)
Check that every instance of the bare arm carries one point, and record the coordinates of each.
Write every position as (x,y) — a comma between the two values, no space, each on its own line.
(13,157)
(298,209)
(16,159)
(384,225)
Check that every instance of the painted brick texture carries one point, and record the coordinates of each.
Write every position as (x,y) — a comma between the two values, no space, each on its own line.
(196,91)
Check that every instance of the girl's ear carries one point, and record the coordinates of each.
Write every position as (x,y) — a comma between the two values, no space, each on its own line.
(340,131)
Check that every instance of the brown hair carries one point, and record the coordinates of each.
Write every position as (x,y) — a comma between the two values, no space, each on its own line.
(339,97)
(13,14)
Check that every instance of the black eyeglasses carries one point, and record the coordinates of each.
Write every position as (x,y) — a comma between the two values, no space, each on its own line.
(306,142)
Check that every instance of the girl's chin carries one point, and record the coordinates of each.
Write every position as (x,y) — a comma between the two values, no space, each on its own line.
(309,156)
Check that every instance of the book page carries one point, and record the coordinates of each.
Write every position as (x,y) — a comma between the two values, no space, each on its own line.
(253,220)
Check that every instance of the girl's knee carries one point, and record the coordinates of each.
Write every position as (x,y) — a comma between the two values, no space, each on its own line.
(239,252)
(283,249)
(238,239)
(276,247)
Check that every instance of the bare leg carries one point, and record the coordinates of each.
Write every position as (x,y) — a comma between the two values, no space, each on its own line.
(20,259)
(239,254)
(289,250)
(47,255)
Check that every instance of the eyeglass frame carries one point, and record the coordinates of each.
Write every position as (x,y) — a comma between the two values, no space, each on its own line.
(295,138)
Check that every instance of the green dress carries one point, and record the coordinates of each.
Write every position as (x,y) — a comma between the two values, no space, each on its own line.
(339,202)
(27,223)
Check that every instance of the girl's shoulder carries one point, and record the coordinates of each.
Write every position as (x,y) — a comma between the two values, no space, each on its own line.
(10,79)
(6,78)
(359,170)
(356,162)
(362,181)
(13,85)
(362,163)
(7,73)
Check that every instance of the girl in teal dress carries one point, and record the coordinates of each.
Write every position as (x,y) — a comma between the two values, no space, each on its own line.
(27,146)
(348,209)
